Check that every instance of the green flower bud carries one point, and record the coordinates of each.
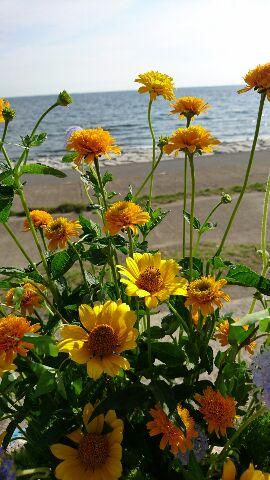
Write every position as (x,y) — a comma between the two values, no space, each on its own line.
(162,142)
(8,114)
(64,99)
(225,198)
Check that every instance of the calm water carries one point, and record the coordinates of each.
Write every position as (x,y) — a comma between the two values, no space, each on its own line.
(232,119)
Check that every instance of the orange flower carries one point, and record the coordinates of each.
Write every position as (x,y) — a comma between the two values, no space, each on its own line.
(189,107)
(5,367)
(124,215)
(259,79)
(156,84)
(205,293)
(191,140)
(92,143)
(39,218)
(171,434)
(30,299)
(12,331)
(59,231)
(218,411)
(3,104)
(222,335)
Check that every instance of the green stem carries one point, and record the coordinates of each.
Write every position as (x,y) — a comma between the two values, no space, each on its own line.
(54,310)
(80,263)
(25,254)
(265,259)
(148,176)
(2,146)
(182,321)
(203,225)
(191,215)
(251,158)
(153,149)
(185,198)
(149,338)
(130,241)
(31,471)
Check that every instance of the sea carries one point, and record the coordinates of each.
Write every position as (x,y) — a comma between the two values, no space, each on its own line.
(231,119)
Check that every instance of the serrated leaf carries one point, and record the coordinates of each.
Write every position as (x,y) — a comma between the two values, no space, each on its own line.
(62,262)
(244,276)
(196,221)
(44,344)
(69,157)
(39,169)
(90,228)
(97,254)
(6,200)
(35,140)
(168,353)
(107,177)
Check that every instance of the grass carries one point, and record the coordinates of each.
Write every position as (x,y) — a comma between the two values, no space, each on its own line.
(158,199)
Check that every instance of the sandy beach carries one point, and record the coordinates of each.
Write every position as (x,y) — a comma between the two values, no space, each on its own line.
(220,171)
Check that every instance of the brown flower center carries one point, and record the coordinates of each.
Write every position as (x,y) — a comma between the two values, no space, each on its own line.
(102,340)
(150,280)
(93,450)
(203,286)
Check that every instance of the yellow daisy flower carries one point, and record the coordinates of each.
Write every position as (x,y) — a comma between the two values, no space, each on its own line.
(149,277)
(204,294)
(191,140)
(222,335)
(108,331)
(219,412)
(124,215)
(59,231)
(12,331)
(5,367)
(189,107)
(156,83)
(40,219)
(229,473)
(31,298)
(92,143)
(97,451)
(3,103)
(259,79)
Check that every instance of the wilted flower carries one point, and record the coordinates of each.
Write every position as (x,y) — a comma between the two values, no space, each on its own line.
(200,447)
(260,368)
(191,140)
(259,79)
(156,83)
(189,107)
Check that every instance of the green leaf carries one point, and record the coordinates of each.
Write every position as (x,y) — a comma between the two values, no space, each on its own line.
(17,297)
(253,318)
(155,332)
(35,140)
(237,334)
(6,175)
(39,169)
(69,157)
(107,177)
(21,273)
(168,353)
(6,200)
(196,221)
(90,228)
(208,226)
(98,254)
(44,344)
(62,262)
(244,276)
(46,379)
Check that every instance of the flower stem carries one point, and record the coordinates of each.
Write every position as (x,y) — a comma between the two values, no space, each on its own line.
(149,175)
(265,259)
(203,225)
(130,241)
(80,263)
(185,198)
(25,254)
(182,321)
(149,338)
(191,215)
(251,158)
(2,146)
(153,149)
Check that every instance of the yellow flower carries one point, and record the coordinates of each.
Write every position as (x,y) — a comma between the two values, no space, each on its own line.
(5,367)
(204,294)
(259,79)
(97,451)
(222,335)
(12,331)
(156,84)
(39,218)
(92,143)
(108,331)
(124,215)
(149,277)
(189,107)
(3,103)
(218,411)
(172,435)
(59,231)
(229,472)
(191,140)
(31,298)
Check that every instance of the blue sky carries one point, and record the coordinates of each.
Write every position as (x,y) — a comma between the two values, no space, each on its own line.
(100,45)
